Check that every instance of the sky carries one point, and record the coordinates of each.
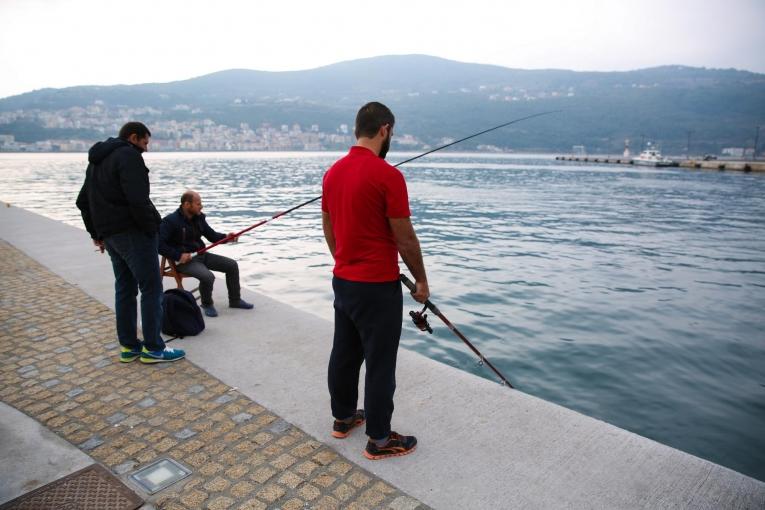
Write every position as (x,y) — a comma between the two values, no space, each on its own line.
(61,43)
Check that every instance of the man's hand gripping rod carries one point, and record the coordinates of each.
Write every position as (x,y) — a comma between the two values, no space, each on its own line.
(420,320)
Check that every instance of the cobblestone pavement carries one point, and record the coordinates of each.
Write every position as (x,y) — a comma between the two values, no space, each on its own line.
(61,368)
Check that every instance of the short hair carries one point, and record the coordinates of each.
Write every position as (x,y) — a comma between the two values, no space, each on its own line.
(188,196)
(134,128)
(371,117)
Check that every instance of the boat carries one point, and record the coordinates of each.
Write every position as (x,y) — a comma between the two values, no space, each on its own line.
(652,157)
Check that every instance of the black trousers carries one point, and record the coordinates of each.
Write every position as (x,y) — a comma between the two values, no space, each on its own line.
(201,268)
(367,329)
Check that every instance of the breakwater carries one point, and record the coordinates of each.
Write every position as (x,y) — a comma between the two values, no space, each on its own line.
(691,164)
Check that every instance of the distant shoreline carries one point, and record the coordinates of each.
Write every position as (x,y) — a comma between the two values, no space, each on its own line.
(514,154)
(554,155)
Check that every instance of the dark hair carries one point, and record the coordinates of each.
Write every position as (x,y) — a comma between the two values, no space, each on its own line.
(134,128)
(371,117)
(188,196)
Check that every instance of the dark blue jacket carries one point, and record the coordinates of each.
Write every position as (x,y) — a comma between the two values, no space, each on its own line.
(115,195)
(178,234)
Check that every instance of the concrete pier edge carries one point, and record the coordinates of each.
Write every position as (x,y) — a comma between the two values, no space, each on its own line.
(481,445)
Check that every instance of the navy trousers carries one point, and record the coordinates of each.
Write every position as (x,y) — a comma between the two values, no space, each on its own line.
(134,260)
(367,329)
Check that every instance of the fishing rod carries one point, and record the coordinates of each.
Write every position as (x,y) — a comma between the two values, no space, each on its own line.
(420,320)
(262,222)
(477,134)
(256,225)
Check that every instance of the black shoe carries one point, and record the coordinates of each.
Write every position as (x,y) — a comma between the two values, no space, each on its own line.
(210,310)
(396,446)
(340,429)
(244,305)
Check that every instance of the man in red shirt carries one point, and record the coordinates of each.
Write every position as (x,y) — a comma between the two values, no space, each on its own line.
(365,216)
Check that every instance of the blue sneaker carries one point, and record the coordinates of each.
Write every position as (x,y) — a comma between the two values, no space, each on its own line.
(127,354)
(244,305)
(169,354)
(210,310)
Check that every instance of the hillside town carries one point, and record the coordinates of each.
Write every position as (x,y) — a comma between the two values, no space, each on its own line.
(194,134)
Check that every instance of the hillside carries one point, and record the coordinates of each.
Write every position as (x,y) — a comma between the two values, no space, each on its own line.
(434,99)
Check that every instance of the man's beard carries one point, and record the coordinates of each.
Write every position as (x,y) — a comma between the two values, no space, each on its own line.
(385,147)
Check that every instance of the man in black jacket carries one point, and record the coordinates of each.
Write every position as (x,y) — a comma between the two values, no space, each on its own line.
(119,215)
(180,236)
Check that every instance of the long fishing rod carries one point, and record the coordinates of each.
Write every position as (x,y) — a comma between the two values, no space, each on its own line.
(262,222)
(477,134)
(421,321)
(256,225)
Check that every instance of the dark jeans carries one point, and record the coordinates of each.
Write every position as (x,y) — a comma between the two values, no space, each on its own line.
(135,264)
(367,329)
(201,268)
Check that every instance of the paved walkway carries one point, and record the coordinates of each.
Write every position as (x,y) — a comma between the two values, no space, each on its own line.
(60,368)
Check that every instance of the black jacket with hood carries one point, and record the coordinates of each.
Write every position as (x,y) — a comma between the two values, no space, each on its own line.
(115,195)
(179,234)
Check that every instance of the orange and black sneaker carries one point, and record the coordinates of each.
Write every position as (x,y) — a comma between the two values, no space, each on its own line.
(396,446)
(341,429)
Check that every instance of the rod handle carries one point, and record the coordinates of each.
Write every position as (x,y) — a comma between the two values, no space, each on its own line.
(407,282)
(410,285)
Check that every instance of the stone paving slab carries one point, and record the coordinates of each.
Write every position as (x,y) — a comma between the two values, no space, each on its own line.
(60,368)
(38,456)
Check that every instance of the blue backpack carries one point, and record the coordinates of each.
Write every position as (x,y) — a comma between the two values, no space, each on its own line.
(181,315)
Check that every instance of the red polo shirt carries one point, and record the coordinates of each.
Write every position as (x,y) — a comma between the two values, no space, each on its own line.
(360,192)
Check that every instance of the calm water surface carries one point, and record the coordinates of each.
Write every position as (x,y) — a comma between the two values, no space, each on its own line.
(632,295)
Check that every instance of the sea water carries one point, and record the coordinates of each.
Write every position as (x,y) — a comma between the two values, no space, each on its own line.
(633,295)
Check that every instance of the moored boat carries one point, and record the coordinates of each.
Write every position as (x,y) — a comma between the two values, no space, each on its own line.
(652,157)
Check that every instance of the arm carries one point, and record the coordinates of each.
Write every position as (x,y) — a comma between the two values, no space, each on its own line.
(329,235)
(409,248)
(210,234)
(83,204)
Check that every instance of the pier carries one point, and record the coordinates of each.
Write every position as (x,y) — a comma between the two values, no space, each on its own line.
(254,420)
(691,164)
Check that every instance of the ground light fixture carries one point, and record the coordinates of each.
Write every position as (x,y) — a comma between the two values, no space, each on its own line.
(159,475)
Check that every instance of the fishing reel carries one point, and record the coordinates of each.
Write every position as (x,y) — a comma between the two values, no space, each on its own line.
(420,320)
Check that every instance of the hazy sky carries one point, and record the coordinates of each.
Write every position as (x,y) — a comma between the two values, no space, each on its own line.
(59,43)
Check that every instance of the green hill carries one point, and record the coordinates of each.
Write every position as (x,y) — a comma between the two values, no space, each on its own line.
(433,99)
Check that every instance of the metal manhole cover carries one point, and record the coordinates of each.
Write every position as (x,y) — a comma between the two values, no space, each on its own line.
(92,488)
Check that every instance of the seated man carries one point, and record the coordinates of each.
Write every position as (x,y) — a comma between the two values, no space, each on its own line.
(180,236)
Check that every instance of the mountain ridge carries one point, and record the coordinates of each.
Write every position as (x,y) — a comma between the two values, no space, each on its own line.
(435,98)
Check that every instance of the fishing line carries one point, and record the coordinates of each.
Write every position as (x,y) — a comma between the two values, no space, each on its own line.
(264,221)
